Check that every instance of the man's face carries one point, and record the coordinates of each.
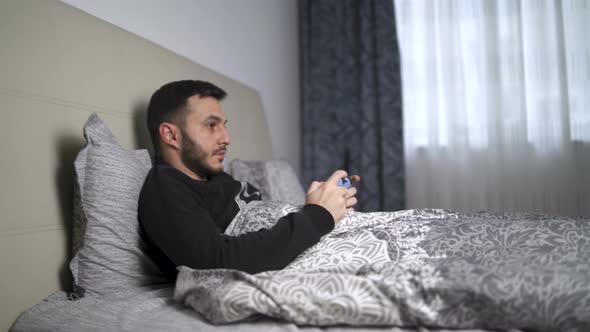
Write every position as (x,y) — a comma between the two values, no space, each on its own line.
(204,136)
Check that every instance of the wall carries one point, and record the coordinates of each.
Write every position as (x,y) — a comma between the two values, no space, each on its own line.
(254,42)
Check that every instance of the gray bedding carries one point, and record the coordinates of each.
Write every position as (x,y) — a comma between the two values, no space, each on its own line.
(415,267)
(150,310)
(434,268)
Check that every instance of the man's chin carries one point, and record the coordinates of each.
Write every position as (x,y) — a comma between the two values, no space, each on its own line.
(217,170)
(217,167)
(203,170)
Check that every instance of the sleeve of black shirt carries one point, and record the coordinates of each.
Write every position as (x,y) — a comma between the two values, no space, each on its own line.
(187,235)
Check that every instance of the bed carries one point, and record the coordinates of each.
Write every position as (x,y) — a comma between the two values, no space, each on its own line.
(74,90)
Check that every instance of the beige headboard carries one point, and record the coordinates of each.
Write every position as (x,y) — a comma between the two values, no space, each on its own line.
(57,66)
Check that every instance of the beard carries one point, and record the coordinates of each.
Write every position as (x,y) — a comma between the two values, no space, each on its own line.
(195,158)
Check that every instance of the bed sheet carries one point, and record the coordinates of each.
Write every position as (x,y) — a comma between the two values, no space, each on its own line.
(148,311)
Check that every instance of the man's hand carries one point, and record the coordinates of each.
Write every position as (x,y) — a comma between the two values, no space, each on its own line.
(330,196)
(350,198)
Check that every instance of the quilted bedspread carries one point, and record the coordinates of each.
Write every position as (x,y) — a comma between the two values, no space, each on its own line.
(412,268)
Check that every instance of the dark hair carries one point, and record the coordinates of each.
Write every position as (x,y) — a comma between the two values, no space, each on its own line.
(168,104)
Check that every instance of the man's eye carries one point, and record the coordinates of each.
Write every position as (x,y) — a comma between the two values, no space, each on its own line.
(211,125)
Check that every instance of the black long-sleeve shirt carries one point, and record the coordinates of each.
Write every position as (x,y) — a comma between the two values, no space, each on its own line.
(183,221)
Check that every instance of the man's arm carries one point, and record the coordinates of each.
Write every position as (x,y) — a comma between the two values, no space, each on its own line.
(188,236)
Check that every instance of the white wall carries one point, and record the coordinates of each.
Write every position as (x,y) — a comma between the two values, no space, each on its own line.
(254,42)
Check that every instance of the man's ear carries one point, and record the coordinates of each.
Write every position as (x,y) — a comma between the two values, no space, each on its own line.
(170,135)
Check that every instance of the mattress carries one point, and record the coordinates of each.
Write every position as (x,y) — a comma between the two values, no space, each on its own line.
(152,309)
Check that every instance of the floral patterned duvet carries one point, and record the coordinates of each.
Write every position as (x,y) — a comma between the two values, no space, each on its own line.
(412,268)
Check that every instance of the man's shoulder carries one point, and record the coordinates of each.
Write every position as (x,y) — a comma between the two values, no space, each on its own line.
(166,189)
(162,178)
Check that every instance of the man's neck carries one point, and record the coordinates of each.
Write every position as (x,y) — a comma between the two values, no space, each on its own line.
(179,165)
(189,172)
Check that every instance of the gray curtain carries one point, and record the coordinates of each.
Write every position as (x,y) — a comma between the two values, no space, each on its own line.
(351,97)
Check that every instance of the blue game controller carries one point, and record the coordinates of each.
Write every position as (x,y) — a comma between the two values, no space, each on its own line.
(344,182)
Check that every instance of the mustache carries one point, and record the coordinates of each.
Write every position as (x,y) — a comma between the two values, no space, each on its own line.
(223,149)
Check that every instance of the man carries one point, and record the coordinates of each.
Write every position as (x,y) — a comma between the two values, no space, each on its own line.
(187,201)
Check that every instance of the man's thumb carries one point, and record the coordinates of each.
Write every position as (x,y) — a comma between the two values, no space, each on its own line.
(314,186)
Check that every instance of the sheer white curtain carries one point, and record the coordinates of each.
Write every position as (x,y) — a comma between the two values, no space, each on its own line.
(496,104)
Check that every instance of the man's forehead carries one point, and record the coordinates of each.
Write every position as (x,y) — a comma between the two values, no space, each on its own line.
(205,108)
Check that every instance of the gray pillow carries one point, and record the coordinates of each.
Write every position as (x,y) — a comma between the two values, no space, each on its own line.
(275,179)
(108,250)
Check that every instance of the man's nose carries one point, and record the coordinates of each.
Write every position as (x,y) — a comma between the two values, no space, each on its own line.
(225,139)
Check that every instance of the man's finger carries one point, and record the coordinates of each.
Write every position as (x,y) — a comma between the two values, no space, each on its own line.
(355,178)
(350,192)
(351,202)
(339,174)
(314,186)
